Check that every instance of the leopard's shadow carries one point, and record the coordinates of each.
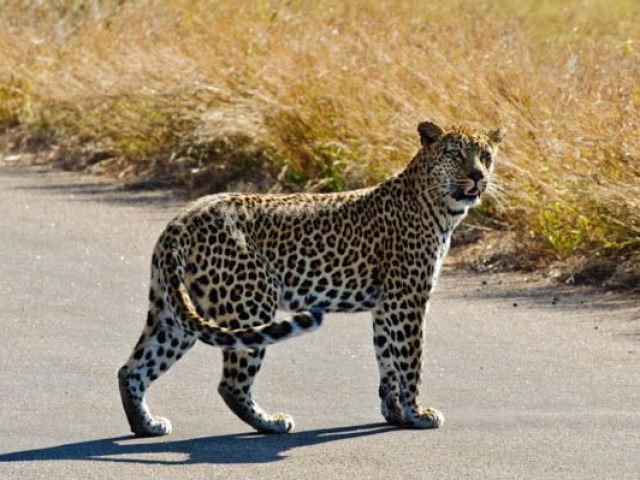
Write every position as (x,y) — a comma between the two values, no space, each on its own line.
(224,449)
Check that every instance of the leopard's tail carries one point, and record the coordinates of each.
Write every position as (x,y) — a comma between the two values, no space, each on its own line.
(175,242)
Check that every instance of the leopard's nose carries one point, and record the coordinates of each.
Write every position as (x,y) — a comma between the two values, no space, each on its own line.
(476,176)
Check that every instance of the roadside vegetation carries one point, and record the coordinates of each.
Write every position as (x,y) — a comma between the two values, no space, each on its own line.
(289,95)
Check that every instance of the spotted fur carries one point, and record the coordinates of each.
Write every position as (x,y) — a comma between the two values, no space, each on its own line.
(227,262)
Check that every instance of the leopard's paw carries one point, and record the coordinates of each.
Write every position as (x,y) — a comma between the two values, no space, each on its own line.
(278,423)
(157,427)
(426,418)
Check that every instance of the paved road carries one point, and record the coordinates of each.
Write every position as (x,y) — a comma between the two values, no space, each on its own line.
(532,386)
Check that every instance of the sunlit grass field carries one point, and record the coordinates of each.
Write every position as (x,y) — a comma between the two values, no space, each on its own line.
(327,95)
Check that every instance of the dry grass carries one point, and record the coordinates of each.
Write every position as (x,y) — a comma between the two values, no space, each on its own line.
(329,93)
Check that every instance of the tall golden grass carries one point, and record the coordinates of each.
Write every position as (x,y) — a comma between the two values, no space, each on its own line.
(330,93)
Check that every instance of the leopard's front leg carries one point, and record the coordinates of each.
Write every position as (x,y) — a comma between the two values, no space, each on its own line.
(389,389)
(399,342)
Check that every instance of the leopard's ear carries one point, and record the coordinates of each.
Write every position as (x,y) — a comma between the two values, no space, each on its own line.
(429,133)
(496,136)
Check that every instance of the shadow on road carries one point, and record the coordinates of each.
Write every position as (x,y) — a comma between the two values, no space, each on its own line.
(97,189)
(517,291)
(225,449)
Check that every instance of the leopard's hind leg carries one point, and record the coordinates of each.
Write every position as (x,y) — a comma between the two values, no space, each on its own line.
(157,350)
(162,343)
(240,367)
(239,371)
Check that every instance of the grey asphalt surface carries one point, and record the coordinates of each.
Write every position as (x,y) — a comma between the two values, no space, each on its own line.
(535,380)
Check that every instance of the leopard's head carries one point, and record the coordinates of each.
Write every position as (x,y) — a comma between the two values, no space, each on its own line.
(459,162)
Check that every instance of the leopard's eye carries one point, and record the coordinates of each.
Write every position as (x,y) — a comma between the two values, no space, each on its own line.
(485,157)
(456,156)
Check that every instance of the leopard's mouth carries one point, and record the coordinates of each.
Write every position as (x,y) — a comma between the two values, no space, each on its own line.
(472,195)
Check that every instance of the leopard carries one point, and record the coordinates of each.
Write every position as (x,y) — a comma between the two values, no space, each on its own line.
(228,262)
